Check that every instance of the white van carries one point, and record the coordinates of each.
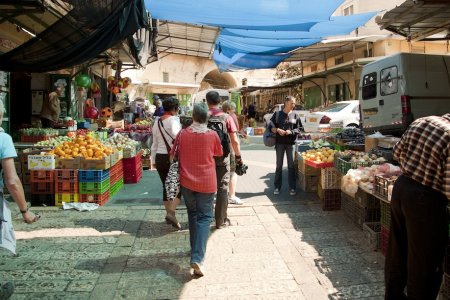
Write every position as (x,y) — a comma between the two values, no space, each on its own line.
(400,88)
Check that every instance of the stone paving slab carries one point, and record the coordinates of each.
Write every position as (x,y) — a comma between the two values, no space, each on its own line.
(278,247)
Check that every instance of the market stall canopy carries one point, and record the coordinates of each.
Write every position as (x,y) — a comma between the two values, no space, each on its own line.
(419,20)
(259,34)
(86,30)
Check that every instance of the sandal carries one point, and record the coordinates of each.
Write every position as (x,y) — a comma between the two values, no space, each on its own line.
(173,221)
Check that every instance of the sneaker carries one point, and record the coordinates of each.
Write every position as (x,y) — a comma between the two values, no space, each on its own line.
(6,290)
(292,192)
(276,191)
(235,200)
(198,270)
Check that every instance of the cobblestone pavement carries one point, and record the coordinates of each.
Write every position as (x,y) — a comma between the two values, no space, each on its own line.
(278,247)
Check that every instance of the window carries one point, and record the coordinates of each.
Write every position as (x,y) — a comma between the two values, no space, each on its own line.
(313,68)
(165,77)
(389,81)
(369,86)
(335,107)
(348,10)
(338,60)
(368,52)
(356,109)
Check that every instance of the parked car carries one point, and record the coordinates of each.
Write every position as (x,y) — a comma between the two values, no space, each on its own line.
(298,109)
(339,114)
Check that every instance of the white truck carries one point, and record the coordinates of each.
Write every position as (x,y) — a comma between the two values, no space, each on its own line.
(396,90)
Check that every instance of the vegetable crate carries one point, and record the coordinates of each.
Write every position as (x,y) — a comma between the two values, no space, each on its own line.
(330,198)
(318,165)
(384,239)
(330,178)
(385,208)
(365,199)
(116,188)
(93,175)
(96,188)
(42,175)
(357,213)
(343,164)
(66,187)
(116,173)
(66,175)
(60,198)
(372,233)
(100,199)
(42,199)
(308,183)
(306,169)
(381,185)
(132,169)
(42,188)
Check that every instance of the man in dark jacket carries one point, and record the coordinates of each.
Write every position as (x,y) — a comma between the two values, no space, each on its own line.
(287,125)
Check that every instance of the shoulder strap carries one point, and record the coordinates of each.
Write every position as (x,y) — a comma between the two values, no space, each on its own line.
(164,138)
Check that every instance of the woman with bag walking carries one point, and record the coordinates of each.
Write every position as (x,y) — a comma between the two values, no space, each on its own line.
(164,131)
(195,148)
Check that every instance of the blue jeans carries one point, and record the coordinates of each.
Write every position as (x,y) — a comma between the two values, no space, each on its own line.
(289,149)
(199,207)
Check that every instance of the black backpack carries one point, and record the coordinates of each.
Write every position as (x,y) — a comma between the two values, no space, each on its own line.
(218,124)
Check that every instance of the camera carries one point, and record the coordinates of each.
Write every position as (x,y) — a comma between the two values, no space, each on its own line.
(241,169)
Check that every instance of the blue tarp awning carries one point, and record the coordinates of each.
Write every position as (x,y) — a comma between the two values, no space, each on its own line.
(260,33)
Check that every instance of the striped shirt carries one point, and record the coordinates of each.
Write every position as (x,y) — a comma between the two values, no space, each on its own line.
(424,152)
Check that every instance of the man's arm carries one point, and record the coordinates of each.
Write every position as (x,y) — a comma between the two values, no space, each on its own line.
(235,143)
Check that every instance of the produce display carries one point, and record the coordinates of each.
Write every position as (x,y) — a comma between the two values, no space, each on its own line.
(82,146)
(351,134)
(317,144)
(120,142)
(365,177)
(39,132)
(365,158)
(322,155)
(147,123)
(53,142)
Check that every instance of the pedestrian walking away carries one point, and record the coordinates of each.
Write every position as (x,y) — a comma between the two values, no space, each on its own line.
(229,108)
(164,131)
(287,125)
(419,218)
(197,147)
(229,129)
(10,179)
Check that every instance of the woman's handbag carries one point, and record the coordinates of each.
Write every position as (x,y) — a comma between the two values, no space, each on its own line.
(269,138)
(173,177)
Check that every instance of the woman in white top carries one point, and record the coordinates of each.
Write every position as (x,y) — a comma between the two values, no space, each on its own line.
(165,130)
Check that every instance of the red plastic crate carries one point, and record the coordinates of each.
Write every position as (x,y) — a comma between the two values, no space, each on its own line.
(99,199)
(66,187)
(319,165)
(42,188)
(116,168)
(384,239)
(66,175)
(116,178)
(132,177)
(42,175)
(130,163)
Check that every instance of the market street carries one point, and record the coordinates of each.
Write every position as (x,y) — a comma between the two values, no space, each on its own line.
(278,247)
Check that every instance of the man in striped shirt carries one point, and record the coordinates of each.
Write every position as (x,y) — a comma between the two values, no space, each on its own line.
(419,219)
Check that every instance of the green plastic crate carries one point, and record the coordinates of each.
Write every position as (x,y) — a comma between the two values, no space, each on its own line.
(116,187)
(96,188)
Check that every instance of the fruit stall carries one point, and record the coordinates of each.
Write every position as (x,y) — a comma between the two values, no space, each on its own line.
(347,177)
(86,166)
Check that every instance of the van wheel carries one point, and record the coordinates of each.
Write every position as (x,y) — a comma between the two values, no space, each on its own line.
(353,125)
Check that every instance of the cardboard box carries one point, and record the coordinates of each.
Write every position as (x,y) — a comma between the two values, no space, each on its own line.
(95,164)
(41,162)
(68,163)
(306,169)
(115,157)
(308,183)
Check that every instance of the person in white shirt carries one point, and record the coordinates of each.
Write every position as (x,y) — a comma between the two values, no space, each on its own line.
(165,130)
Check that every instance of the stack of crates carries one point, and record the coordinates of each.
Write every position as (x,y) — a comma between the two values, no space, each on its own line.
(361,208)
(116,178)
(94,186)
(132,168)
(330,189)
(385,221)
(308,176)
(42,187)
(66,186)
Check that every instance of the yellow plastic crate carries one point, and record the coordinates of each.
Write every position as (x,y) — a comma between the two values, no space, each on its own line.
(60,198)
